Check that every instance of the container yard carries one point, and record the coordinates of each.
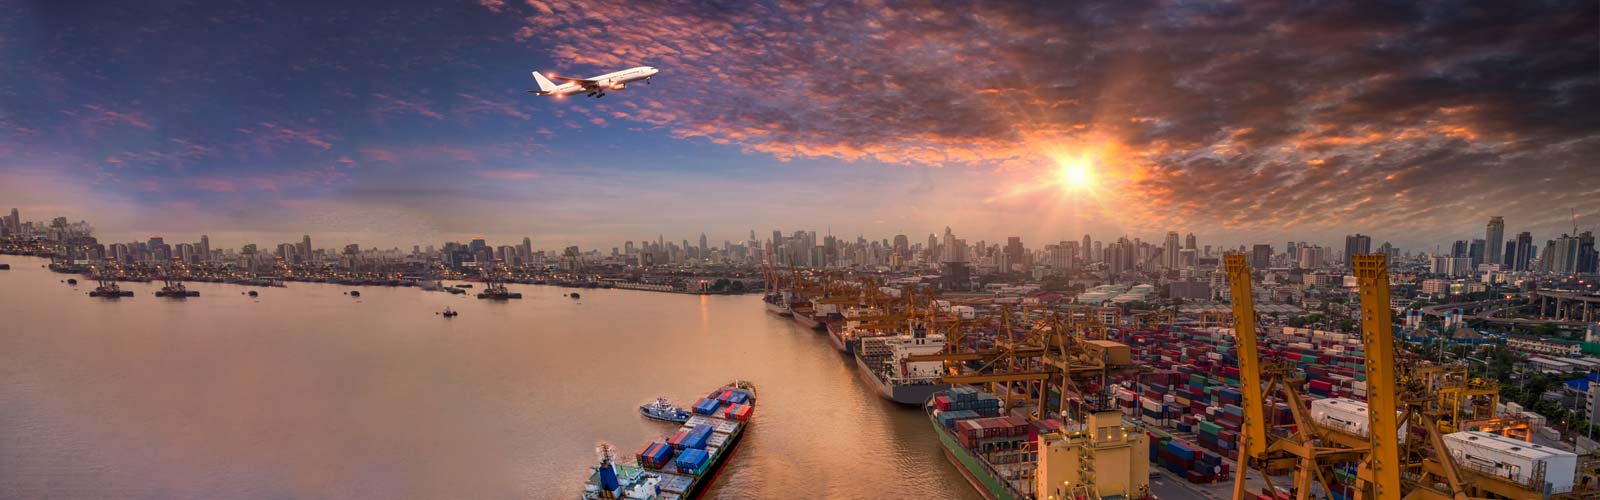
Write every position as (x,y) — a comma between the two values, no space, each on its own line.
(1070,402)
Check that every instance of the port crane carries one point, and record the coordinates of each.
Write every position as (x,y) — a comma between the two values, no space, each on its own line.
(1422,398)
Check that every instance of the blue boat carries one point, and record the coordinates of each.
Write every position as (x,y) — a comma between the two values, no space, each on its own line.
(663,410)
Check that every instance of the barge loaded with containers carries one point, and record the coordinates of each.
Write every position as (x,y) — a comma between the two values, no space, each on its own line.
(682,466)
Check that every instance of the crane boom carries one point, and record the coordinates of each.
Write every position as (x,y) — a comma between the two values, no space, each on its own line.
(1244,328)
(1383,466)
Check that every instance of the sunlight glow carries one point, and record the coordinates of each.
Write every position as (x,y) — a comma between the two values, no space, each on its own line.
(1074,174)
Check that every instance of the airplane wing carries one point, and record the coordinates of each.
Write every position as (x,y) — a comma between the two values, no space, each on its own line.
(578,81)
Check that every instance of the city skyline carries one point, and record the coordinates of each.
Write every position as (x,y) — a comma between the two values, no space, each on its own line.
(1574,251)
(413,126)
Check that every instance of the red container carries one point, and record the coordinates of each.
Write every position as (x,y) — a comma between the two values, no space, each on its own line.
(677,439)
(941,402)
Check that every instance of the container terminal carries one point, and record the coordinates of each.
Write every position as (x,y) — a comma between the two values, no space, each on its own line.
(1033,402)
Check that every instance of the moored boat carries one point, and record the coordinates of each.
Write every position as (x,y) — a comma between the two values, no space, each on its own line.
(881,362)
(663,410)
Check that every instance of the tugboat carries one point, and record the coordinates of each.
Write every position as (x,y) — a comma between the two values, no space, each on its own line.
(495,290)
(110,290)
(663,410)
(176,290)
(448,313)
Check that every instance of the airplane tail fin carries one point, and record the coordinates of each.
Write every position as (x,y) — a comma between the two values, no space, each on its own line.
(545,85)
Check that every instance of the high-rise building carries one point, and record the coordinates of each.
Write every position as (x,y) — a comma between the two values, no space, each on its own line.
(1356,244)
(1524,254)
(1014,253)
(204,248)
(1189,242)
(1088,244)
(305,247)
(1475,251)
(1587,259)
(1261,256)
(1312,256)
(1494,236)
(1461,248)
(1169,251)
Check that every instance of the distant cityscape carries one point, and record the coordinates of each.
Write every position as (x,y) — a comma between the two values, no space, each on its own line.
(1493,258)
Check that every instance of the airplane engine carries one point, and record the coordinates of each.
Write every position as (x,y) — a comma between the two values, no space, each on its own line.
(619,85)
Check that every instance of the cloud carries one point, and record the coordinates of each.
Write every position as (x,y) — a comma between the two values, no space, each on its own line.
(387,105)
(506,175)
(1243,116)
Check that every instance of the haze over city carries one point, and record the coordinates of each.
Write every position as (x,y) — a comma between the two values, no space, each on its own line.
(401,123)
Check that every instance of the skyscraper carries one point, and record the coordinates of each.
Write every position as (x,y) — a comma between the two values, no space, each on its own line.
(1189,242)
(204,249)
(1494,237)
(1169,251)
(1475,251)
(1356,244)
(1013,253)
(705,252)
(1524,252)
(305,247)
(1261,256)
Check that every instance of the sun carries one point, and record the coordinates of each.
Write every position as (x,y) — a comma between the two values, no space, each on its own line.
(1075,174)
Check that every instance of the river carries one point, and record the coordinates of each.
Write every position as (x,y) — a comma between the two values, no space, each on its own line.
(308,393)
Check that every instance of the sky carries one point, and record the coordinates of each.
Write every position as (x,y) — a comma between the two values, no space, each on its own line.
(395,123)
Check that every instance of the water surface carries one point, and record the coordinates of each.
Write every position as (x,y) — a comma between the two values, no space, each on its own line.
(308,393)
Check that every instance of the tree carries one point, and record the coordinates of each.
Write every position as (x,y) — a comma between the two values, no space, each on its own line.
(736,287)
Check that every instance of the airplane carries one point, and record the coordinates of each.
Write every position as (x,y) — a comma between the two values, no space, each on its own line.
(593,87)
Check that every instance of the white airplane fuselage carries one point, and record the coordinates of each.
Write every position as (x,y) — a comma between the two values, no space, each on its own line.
(594,86)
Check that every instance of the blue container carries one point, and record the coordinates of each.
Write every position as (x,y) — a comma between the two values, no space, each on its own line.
(691,460)
(707,406)
(698,436)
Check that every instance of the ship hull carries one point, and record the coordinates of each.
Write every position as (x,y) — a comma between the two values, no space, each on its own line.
(839,342)
(980,478)
(808,320)
(913,395)
(777,309)
(716,467)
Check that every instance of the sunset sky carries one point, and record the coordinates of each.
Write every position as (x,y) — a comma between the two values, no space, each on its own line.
(404,122)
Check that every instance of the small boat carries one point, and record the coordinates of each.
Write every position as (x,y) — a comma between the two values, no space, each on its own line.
(355,293)
(253,293)
(72,281)
(573,295)
(5,267)
(449,313)
(663,410)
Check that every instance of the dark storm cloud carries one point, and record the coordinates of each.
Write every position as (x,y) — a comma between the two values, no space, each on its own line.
(1249,114)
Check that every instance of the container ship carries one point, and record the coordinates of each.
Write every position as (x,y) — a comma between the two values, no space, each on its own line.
(882,363)
(777,303)
(682,466)
(1010,456)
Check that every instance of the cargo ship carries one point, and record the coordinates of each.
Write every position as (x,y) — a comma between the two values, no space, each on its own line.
(110,290)
(175,289)
(881,362)
(684,465)
(1011,456)
(777,303)
(498,291)
(845,329)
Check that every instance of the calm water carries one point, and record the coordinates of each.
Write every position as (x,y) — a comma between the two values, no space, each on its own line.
(306,393)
